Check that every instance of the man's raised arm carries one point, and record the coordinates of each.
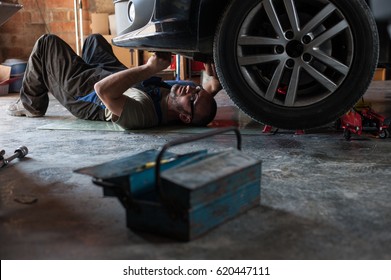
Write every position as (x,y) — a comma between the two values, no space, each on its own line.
(110,89)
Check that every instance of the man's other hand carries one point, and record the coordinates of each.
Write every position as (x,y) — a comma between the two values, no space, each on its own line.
(159,61)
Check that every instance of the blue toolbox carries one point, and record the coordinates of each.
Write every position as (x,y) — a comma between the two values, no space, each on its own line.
(181,196)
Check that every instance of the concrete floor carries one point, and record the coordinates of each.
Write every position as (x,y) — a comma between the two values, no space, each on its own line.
(322,197)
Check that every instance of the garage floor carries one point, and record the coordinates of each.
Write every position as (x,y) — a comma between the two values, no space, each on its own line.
(322,197)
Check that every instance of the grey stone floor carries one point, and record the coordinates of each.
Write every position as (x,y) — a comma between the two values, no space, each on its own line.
(322,197)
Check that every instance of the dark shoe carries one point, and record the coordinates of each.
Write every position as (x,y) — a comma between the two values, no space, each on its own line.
(17,110)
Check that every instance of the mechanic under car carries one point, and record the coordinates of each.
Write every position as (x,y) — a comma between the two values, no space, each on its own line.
(97,86)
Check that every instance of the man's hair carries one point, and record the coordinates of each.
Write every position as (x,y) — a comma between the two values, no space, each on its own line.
(206,119)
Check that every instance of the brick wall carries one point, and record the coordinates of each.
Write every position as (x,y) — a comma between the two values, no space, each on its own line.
(18,35)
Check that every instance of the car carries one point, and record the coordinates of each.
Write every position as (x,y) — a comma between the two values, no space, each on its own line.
(293,64)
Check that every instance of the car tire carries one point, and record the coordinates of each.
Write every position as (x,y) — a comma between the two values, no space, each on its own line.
(296,64)
(383,134)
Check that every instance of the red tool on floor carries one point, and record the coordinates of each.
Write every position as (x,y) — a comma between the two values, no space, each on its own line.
(364,119)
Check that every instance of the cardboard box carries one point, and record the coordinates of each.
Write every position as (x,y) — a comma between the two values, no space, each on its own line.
(5,74)
(100,23)
(380,74)
(128,57)
(112,25)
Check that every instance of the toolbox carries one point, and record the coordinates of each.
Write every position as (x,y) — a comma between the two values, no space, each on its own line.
(181,196)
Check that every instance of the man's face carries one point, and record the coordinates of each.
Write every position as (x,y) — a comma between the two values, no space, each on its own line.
(189,101)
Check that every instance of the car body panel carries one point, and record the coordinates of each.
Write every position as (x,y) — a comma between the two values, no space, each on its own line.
(175,26)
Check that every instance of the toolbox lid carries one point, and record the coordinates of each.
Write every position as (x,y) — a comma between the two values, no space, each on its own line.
(123,166)
(203,172)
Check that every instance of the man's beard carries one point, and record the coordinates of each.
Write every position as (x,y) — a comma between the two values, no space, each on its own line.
(173,97)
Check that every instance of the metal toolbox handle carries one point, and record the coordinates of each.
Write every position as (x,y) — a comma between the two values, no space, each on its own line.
(187,140)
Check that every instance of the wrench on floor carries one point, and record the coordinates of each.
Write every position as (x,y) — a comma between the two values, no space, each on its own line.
(20,152)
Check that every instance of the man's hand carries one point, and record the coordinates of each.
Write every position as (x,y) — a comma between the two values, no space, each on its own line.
(210,69)
(212,85)
(159,61)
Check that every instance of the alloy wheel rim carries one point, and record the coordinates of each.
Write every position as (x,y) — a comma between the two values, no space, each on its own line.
(293,53)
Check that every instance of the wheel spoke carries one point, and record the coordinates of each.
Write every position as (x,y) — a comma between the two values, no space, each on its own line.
(259,59)
(256,40)
(293,85)
(292,14)
(322,79)
(275,81)
(318,19)
(328,60)
(329,34)
(273,17)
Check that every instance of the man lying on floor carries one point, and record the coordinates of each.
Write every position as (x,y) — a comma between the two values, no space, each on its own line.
(97,86)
